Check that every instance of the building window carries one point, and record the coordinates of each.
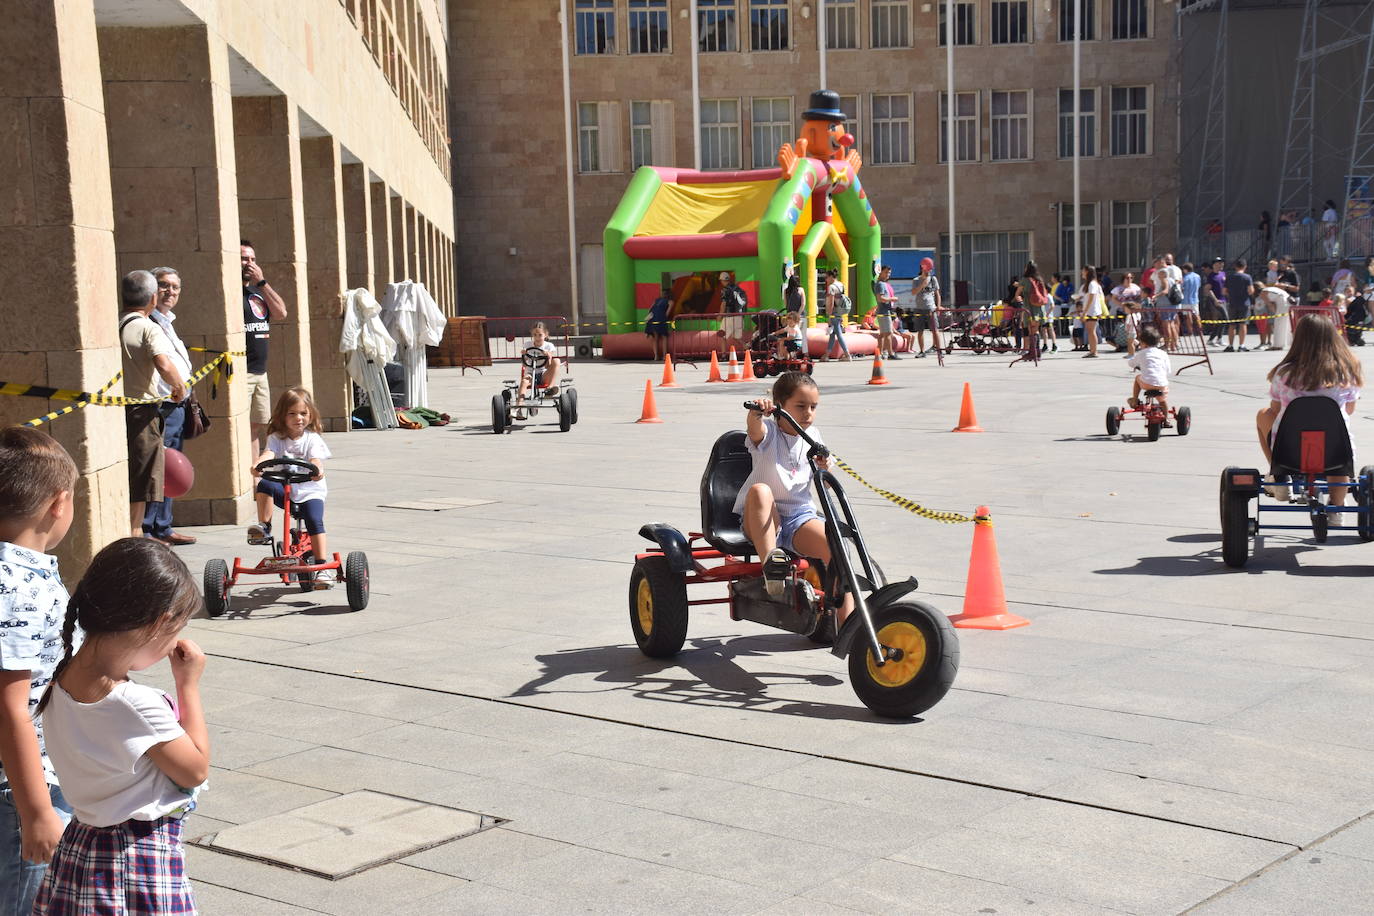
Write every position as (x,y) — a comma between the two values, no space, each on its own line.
(985,260)
(965,126)
(651,133)
(1087,123)
(842,24)
(595,26)
(720,133)
(891,23)
(768,24)
(849,104)
(891,129)
(1130,120)
(1087,238)
(1010,22)
(648,26)
(965,23)
(1130,233)
(772,127)
(717,28)
(598,137)
(1130,19)
(891,242)
(1010,117)
(1087,23)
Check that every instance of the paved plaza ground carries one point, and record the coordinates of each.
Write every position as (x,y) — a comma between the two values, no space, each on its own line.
(1167,735)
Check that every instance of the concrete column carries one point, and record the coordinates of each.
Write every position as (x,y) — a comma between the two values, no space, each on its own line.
(400,251)
(55,215)
(172,170)
(358,243)
(267,150)
(414,244)
(381,238)
(450,282)
(322,181)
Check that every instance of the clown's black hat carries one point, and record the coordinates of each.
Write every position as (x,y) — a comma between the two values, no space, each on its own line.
(825,106)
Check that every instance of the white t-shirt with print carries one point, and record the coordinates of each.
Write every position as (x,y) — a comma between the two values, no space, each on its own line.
(100,751)
(309,445)
(780,462)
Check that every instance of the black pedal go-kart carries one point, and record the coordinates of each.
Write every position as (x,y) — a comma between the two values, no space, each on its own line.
(1154,414)
(507,408)
(763,349)
(292,558)
(1311,444)
(903,654)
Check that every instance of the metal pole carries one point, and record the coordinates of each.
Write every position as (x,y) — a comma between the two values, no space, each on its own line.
(1077,147)
(568,167)
(696,89)
(821,39)
(949,142)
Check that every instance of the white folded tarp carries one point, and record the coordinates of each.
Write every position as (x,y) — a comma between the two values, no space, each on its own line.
(414,321)
(369,348)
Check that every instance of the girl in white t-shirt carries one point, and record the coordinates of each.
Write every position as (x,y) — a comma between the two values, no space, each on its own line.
(130,759)
(1091,307)
(294,432)
(774,504)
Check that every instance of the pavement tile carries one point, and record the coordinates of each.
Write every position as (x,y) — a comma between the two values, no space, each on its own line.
(1355,841)
(236,748)
(475,897)
(300,721)
(340,770)
(1315,882)
(242,797)
(475,857)
(211,898)
(447,749)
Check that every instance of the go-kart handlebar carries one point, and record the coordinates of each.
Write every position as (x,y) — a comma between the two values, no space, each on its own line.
(535,357)
(817,450)
(287,470)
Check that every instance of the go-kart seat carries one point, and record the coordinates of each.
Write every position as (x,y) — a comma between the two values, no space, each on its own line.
(726,471)
(1312,439)
(1151,392)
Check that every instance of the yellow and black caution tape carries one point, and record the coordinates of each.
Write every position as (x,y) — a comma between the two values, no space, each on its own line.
(910,505)
(1238,320)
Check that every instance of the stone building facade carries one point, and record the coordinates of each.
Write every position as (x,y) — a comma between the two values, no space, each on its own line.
(141,133)
(631,92)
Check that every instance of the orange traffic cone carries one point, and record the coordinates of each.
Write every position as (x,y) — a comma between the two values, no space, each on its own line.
(985,604)
(748,375)
(669,379)
(878,378)
(968,420)
(650,412)
(714,376)
(734,375)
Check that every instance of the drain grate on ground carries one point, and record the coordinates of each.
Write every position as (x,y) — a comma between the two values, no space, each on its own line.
(348,834)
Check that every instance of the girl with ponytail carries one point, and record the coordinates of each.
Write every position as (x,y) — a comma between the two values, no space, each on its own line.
(130,760)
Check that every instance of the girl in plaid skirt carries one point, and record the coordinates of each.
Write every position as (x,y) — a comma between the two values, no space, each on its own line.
(129,768)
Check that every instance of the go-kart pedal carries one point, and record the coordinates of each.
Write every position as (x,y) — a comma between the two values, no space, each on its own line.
(777,569)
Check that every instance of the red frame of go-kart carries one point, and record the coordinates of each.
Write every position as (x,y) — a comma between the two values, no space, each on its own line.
(731,570)
(1152,411)
(287,562)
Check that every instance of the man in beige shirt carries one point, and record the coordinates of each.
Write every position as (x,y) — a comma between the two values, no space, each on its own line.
(147,354)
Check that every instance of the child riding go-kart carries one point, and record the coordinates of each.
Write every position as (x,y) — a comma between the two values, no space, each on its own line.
(292,558)
(763,347)
(903,654)
(1154,413)
(522,398)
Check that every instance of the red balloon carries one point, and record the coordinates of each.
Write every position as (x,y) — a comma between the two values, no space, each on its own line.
(178,475)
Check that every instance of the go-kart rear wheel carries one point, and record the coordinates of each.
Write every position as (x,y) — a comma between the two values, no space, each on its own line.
(1152,431)
(658,607)
(1320,521)
(306,580)
(357,579)
(1364,498)
(216,588)
(572,400)
(498,414)
(1113,420)
(565,409)
(1183,421)
(1235,526)
(923,670)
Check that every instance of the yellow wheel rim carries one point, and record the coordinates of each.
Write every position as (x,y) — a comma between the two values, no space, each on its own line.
(902,635)
(644,607)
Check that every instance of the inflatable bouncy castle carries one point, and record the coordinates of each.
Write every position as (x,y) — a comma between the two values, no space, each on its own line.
(681,228)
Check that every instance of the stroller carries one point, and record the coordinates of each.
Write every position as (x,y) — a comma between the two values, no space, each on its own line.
(977,331)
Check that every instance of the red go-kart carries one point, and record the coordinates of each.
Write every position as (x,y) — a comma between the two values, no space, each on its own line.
(292,559)
(1154,414)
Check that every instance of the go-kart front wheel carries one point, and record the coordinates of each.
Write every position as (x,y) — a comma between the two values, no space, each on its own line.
(357,579)
(1183,421)
(1364,499)
(572,404)
(306,580)
(921,671)
(1113,420)
(1152,431)
(658,608)
(565,411)
(216,588)
(498,414)
(1235,524)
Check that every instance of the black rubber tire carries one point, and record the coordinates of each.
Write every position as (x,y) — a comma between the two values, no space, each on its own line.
(919,689)
(1152,431)
(658,599)
(507,394)
(1320,521)
(572,399)
(216,588)
(306,581)
(565,420)
(980,347)
(1113,420)
(1364,498)
(1183,421)
(357,580)
(1235,528)
(498,414)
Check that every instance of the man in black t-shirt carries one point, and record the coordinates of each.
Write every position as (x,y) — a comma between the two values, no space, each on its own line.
(261,305)
(1239,288)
